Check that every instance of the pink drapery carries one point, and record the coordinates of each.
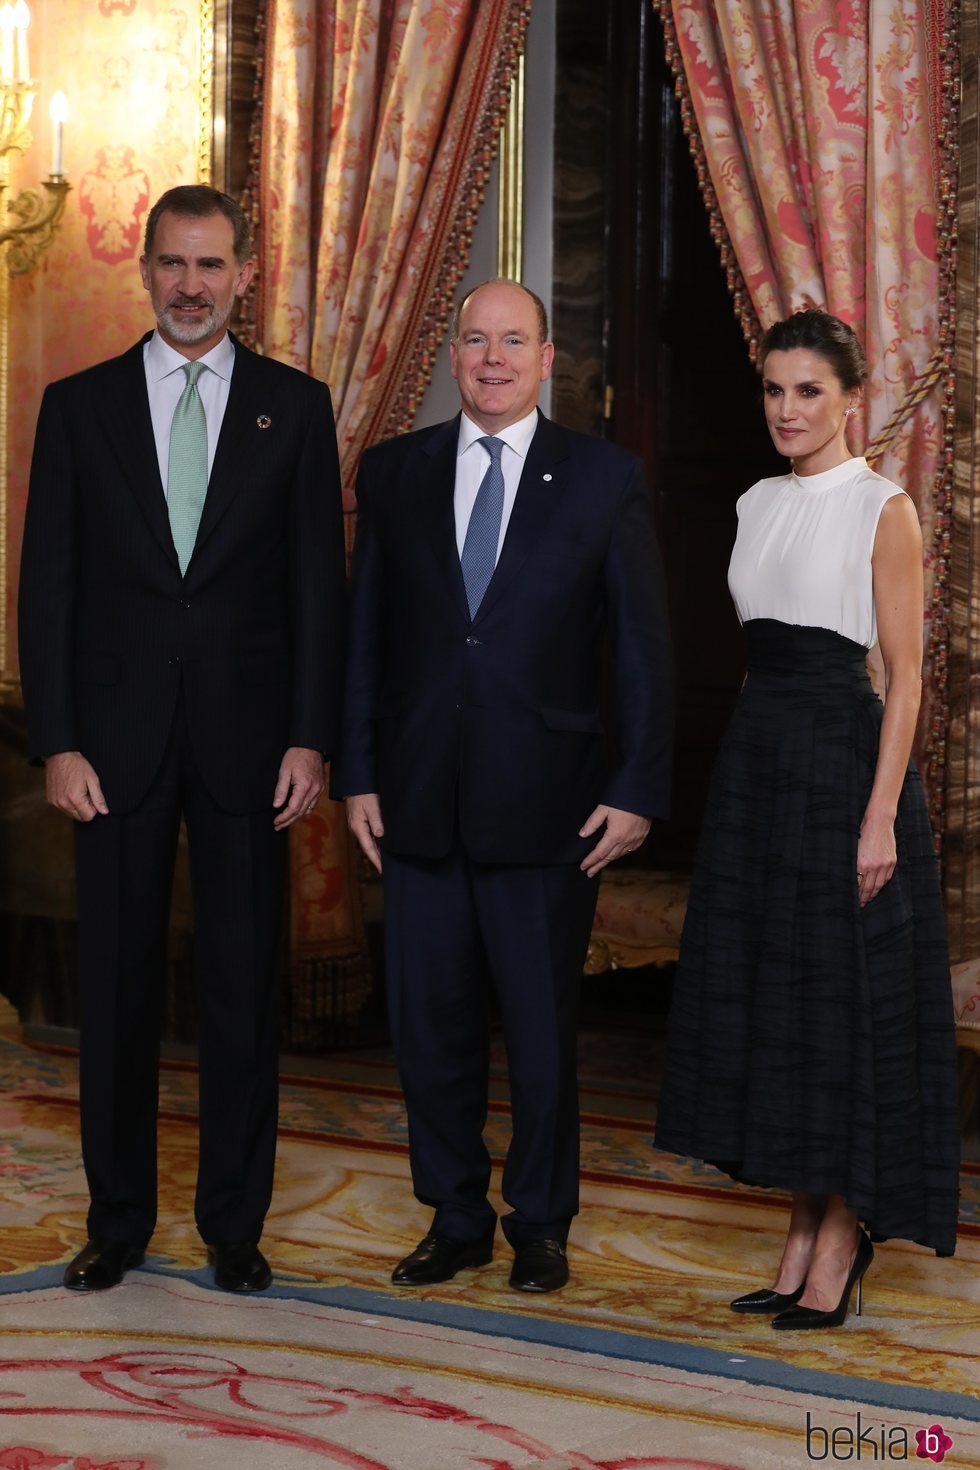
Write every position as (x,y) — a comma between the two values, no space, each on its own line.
(824,134)
(381,119)
(379,125)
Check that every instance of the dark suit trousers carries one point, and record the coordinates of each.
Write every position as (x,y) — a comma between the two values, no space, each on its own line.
(454,929)
(124,878)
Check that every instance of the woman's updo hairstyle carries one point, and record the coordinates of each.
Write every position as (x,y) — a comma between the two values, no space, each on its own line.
(818,331)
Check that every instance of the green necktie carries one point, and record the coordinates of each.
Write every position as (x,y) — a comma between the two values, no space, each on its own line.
(187,473)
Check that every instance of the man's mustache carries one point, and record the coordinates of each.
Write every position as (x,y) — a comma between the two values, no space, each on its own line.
(190,301)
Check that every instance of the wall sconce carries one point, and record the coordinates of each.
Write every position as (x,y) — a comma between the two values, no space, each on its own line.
(27,226)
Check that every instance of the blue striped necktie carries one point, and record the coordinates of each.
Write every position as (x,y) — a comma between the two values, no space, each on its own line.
(187,468)
(483,532)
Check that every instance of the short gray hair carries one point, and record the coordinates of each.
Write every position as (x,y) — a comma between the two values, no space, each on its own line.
(200,201)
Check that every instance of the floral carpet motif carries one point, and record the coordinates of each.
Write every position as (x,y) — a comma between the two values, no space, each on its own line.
(637,1363)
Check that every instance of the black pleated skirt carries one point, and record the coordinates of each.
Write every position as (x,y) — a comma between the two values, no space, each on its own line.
(811,1042)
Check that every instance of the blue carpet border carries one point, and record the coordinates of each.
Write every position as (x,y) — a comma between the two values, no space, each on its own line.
(574,1337)
(659,1352)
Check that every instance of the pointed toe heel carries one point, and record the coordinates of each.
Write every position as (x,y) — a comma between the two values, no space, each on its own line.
(766,1303)
(802,1318)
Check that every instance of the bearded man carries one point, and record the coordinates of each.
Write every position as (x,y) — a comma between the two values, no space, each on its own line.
(181,629)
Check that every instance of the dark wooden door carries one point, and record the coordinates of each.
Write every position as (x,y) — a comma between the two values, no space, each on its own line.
(672,378)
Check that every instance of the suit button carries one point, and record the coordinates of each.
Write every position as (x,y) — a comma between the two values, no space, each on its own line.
(174,662)
(473,643)
(184,602)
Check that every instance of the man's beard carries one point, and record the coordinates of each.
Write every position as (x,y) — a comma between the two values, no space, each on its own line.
(189,332)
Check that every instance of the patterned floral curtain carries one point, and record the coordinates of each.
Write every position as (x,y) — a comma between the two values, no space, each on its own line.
(380,120)
(824,136)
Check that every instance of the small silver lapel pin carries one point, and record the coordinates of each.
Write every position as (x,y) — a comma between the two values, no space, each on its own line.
(546,477)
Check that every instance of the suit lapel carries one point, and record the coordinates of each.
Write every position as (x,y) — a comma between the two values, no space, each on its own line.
(232,449)
(438,509)
(538,494)
(130,432)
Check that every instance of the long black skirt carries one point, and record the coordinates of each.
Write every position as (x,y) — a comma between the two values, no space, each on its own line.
(811,1042)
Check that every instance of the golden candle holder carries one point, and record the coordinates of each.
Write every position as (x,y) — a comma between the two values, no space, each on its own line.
(28,223)
(18,102)
(37,217)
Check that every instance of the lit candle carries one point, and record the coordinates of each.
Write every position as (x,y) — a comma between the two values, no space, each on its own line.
(7,42)
(22,19)
(59,116)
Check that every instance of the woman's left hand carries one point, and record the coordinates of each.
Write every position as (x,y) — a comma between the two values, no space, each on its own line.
(876,856)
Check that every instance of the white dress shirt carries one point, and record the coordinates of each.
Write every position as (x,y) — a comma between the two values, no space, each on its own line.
(165,383)
(472,462)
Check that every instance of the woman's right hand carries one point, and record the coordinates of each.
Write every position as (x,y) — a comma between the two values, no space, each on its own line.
(876,855)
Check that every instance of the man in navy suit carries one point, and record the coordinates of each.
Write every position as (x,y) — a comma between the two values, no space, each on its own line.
(498,557)
(181,626)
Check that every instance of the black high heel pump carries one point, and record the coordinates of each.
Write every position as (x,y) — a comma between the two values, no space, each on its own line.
(766,1302)
(803,1317)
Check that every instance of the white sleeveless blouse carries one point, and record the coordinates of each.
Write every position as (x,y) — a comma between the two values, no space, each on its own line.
(803,550)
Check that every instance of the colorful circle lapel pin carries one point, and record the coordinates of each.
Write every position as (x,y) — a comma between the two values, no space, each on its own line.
(264,421)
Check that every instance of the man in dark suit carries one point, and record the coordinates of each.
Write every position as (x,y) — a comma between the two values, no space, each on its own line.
(496,556)
(181,612)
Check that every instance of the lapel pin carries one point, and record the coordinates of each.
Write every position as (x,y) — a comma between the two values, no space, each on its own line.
(264,421)
(546,477)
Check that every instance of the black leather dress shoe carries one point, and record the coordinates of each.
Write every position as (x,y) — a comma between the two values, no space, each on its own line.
(101,1264)
(539,1265)
(437,1258)
(239,1266)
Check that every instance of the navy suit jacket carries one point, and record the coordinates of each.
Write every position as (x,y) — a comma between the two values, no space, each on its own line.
(253,632)
(494,727)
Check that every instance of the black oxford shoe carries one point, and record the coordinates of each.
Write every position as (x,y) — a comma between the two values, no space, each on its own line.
(239,1266)
(539,1265)
(101,1264)
(437,1258)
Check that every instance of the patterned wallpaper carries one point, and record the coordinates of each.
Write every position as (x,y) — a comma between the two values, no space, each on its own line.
(137,75)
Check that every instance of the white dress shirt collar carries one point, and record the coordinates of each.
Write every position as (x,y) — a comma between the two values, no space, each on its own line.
(161,359)
(517,436)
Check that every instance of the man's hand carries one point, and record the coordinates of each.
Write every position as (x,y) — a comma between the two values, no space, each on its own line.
(624,832)
(72,786)
(301,779)
(364,820)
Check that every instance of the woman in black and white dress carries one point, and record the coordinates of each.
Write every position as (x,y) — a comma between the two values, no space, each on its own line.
(811,1042)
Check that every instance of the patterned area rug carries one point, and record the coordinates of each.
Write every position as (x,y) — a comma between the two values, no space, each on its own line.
(638,1363)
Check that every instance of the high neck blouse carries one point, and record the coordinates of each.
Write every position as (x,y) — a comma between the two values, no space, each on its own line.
(803,550)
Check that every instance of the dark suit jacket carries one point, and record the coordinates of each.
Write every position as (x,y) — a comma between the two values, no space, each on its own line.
(108,626)
(500,720)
